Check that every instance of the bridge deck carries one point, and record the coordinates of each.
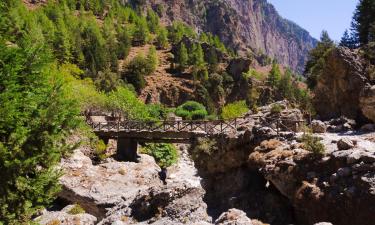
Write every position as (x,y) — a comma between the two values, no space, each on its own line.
(163,129)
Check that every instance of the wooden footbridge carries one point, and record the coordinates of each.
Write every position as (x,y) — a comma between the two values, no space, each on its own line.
(165,131)
(131,132)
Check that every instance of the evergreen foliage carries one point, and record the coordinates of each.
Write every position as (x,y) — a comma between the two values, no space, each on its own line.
(363,23)
(316,61)
(182,57)
(35,117)
(274,76)
(348,40)
(191,110)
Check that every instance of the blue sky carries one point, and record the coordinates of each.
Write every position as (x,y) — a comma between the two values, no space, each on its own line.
(317,15)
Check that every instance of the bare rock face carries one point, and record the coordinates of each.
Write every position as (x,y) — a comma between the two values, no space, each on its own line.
(367,102)
(340,85)
(127,192)
(251,25)
(318,187)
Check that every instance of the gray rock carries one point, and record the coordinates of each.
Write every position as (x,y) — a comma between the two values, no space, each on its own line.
(323,223)
(318,126)
(64,217)
(345,144)
(368,128)
(344,172)
(233,217)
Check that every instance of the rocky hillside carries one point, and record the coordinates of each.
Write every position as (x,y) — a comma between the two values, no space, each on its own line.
(244,25)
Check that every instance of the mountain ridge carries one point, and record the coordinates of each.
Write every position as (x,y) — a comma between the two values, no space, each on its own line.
(253,25)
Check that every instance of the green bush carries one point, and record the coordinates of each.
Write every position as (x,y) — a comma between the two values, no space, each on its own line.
(100,150)
(276,109)
(312,144)
(77,209)
(198,114)
(191,110)
(234,110)
(165,154)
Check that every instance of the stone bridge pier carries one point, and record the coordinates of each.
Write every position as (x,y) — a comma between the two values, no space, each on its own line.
(127,149)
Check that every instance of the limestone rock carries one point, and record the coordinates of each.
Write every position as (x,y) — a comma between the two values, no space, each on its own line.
(238,66)
(233,217)
(318,126)
(340,85)
(367,102)
(345,144)
(63,217)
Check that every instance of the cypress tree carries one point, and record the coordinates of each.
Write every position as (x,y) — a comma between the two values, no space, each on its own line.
(182,57)
(274,75)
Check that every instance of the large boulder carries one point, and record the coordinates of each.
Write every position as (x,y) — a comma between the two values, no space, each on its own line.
(367,102)
(340,85)
(318,126)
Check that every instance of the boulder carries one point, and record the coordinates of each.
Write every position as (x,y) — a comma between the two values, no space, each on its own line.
(233,217)
(318,126)
(340,85)
(367,102)
(345,144)
(368,128)
(65,217)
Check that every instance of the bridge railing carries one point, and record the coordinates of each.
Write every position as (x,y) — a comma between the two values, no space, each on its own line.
(196,126)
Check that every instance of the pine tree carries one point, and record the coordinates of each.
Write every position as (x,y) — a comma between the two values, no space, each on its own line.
(197,56)
(182,57)
(347,40)
(364,21)
(124,43)
(152,59)
(162,38)
(274,75)
(152,21)
(285,85)
(36,116)
(316,61)
(62,42)
(142,34)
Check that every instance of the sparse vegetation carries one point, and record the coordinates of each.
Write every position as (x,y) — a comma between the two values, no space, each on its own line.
(165,154)
(312,143)
(276,109)
(234,110)
(77,209)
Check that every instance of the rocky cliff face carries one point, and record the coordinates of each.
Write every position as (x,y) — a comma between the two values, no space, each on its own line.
(244,25)
(344,88)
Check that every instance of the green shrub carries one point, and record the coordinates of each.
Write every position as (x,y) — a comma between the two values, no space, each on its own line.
(100,150)
(276,109)
(165,154)
(234,110)
(205,145)
(198,114)
(191,110)
(312,144)
(77,209)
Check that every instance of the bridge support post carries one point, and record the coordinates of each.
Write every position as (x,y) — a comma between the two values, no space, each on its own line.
(127,149)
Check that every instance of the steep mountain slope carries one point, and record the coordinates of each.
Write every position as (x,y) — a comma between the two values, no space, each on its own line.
(243,25)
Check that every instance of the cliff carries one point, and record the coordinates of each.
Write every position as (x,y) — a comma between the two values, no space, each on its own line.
(244,25)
